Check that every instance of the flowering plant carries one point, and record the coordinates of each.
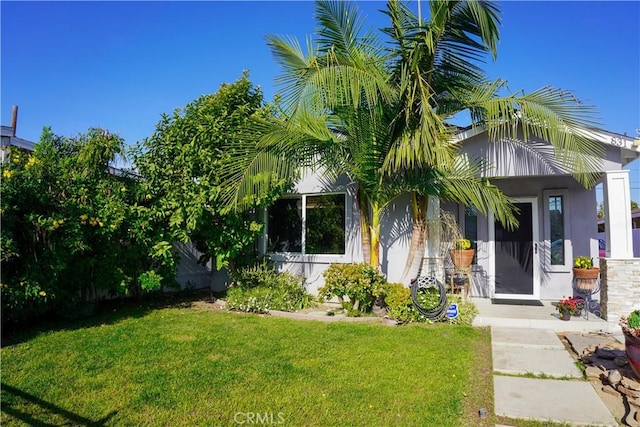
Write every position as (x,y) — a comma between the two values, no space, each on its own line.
(568,305)
(462,244)
(631,324)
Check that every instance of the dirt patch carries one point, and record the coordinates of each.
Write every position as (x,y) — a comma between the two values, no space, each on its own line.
(606,367)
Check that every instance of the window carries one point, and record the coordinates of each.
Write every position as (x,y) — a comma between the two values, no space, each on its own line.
(557,244)
(556,229)
(307,224)
(471,229)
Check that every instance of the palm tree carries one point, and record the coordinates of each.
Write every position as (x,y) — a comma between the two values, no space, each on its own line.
(379,113)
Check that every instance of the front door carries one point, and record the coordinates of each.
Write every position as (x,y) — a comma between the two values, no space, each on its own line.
(515,254)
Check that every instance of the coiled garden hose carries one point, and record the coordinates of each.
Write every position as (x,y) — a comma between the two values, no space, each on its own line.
(423,283)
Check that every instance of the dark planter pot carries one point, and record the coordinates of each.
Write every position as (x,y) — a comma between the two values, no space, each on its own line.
(565,315)
(578,312)
(632,350)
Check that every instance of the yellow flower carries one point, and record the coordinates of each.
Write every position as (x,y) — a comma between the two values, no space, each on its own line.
(32,161)
(56,224)
(7,173)
(16,159)
(148,196)
(123,189)
(43,293)
(84,217)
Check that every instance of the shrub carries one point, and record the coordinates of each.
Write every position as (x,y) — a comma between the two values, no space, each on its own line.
(71,233)
(255,300)
(467,311)
(260,289)
(401,308)
(361,284)
(399,304)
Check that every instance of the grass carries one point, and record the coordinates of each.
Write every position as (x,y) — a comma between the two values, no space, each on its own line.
(183,366)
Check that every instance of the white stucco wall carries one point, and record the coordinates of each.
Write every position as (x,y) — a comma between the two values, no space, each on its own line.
(395,234)
(581,238)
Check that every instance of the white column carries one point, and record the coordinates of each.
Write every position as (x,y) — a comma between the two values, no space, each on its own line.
(617,214)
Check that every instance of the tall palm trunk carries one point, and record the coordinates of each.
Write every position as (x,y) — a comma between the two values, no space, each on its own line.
(374,228)
(419,234)
(365,232)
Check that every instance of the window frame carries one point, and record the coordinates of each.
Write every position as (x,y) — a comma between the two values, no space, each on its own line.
(566,214)
(462,223)
(303,198)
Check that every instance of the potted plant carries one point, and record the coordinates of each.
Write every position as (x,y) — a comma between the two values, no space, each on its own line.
(567,307)
(579,306)
(585,273)
(462,254)
(631,329)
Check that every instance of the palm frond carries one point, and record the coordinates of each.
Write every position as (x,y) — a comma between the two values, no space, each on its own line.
(550,114)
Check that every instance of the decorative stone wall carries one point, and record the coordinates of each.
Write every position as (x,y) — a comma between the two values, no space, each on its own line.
(619,287)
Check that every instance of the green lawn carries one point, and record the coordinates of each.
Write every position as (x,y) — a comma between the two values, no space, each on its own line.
(185,366)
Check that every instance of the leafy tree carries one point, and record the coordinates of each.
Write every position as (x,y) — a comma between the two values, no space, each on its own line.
(180,166)
(74,229)
(634,205)
(378,112)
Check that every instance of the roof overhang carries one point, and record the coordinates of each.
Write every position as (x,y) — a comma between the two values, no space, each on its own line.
(629,147)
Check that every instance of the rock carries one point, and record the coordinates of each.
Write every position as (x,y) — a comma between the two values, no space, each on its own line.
(593,372)
(634,402)
(620,361)
(614,377)
(389,322)
(627,392)
(611,390)
(606,353)
(630,383)
(632,419)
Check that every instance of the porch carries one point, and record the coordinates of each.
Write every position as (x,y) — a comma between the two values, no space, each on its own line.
(537,317)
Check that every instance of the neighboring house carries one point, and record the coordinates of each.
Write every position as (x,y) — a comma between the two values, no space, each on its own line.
(635,226)
(318,222)
(11,142)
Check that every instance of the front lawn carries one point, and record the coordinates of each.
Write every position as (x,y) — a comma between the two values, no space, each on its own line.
(185,366)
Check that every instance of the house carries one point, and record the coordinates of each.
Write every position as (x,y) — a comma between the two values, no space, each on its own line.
(9,140)
(317,223)
(635,231)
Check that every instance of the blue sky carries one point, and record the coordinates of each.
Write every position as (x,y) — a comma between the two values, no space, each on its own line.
(119,65)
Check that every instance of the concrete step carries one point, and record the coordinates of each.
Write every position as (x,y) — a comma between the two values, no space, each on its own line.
(552,324)
(573,402)
(531,338)
(536,361)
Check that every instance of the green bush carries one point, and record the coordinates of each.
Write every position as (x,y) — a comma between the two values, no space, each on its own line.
(467,311)
(360,284)
(260,289)
(399,304)
(73,234)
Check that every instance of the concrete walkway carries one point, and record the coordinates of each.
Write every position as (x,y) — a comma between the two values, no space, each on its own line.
(539,352)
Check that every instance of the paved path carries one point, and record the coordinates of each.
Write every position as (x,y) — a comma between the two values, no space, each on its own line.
(523,351)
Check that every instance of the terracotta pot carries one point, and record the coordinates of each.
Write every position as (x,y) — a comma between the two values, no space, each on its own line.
(565,315)
(586,278)
(632,350)
(462,258)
